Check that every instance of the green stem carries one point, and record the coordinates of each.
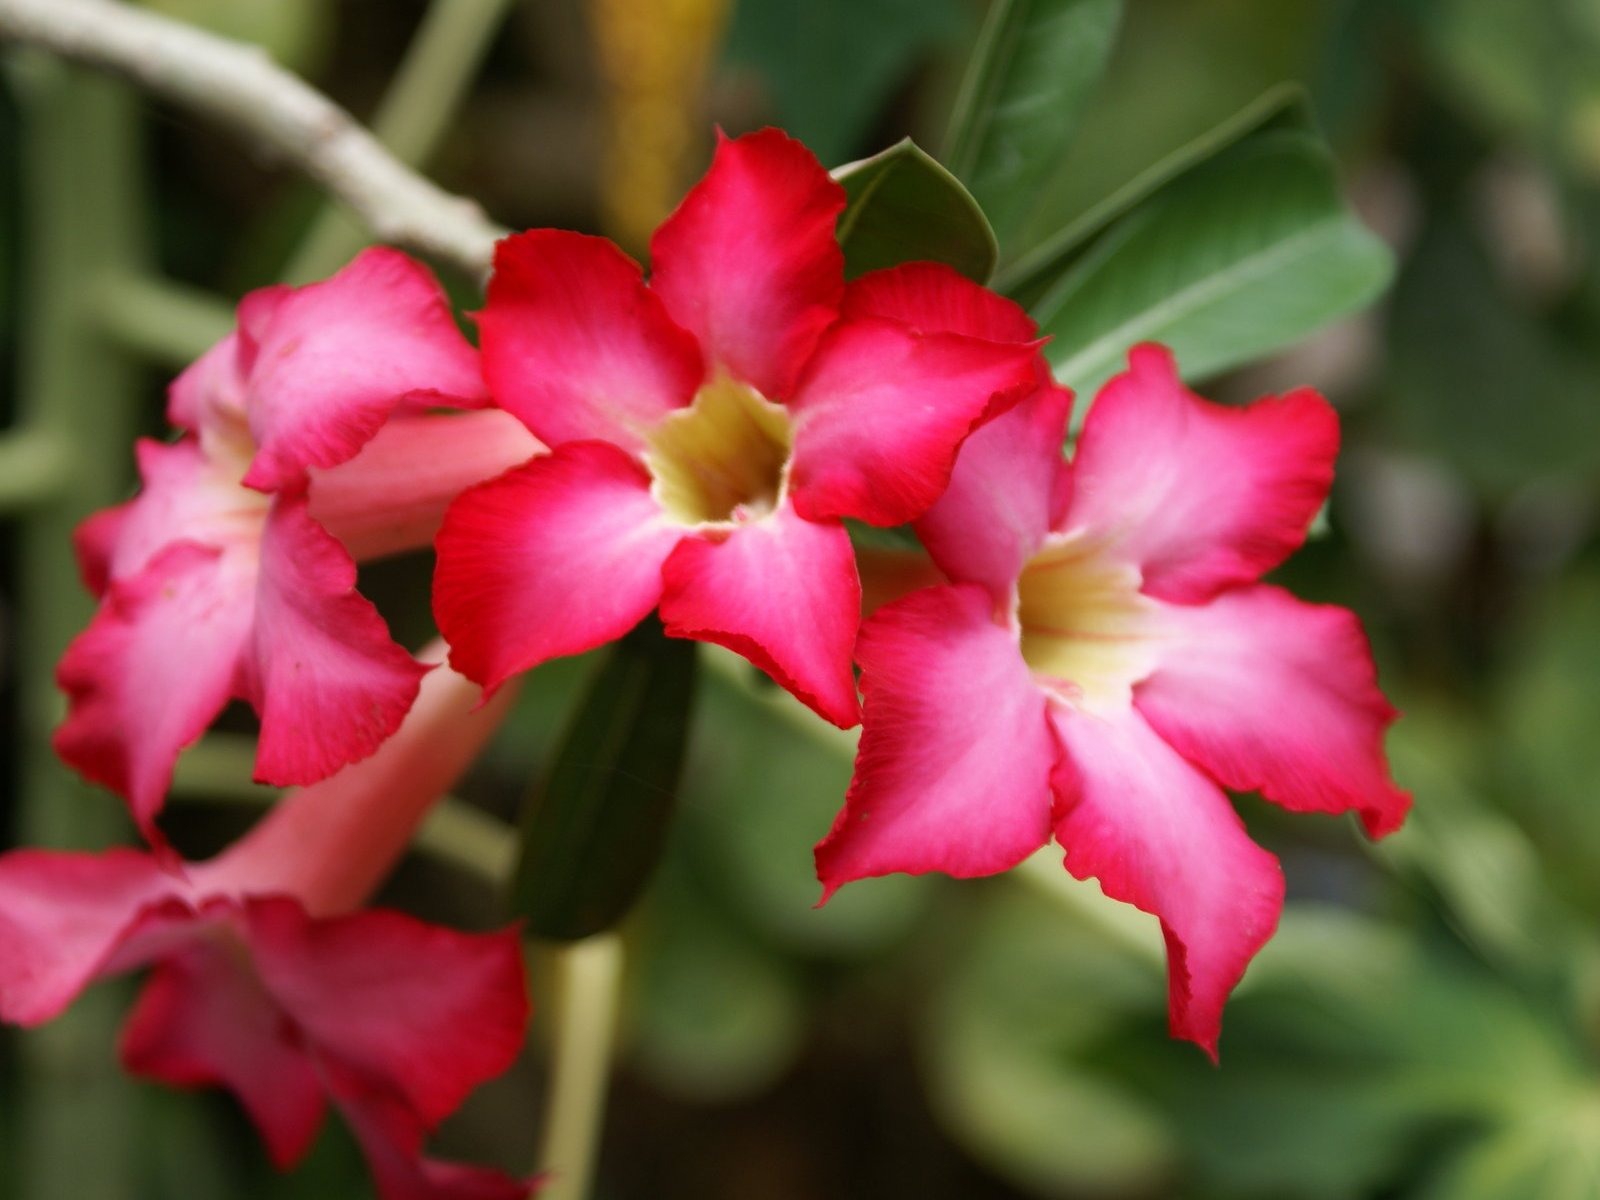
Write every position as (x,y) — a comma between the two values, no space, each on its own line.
(35,466)
(585,981)
(413,117)
(84,219)
(164,323)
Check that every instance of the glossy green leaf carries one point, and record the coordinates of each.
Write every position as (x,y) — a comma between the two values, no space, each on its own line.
(1025,280)
(1242,257)
(1035,65)
(594,832)
(905,207)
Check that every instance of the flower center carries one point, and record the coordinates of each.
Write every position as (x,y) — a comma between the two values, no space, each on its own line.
(1086,630)
(722,459)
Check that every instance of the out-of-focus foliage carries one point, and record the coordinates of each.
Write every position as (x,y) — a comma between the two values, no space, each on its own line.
(1426,1025)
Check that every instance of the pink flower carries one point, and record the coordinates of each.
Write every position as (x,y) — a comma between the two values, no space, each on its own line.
(709,431)
(1104,662)
(266,981)
(211,589)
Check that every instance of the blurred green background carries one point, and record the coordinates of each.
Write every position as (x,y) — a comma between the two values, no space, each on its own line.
(1426,1023)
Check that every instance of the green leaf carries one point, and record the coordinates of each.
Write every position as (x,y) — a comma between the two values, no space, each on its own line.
(595,831)
(1282,107)
(1036,63)
(830,66)
(905,207)
(1242,257)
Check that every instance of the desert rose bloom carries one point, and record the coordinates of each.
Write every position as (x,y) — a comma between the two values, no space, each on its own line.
(709,431)
(1105,661)
(308,437)
(266,980)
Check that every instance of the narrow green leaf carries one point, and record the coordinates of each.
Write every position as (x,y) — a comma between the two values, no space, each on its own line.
(905,207)
(1282,107)
(1035,65)
(1232,261)
(593,834)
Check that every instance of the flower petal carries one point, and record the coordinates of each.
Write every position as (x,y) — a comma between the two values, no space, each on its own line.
(953,772)
(187,496)
(392,496)
(1198,495)
(175,630)
(62,917)
(1162,837)
(391,1138)
(335,358)
(208,396)
(329,682)
(1269,694)
(204,1019)
(997,509)
(418,1009)
(782,592)
(576,346)
(934,298)
(749,261)
(881,412)
(555,557)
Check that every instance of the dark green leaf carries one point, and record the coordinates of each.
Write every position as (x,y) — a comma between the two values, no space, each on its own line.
(594,832)
(1239,258)
(905,207)
(1279,108)
(830,66)
(1035,65)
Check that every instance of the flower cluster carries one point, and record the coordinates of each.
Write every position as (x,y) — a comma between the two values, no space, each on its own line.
(1088,654)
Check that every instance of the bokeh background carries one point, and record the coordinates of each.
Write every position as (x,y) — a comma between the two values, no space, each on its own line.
(1427,1022)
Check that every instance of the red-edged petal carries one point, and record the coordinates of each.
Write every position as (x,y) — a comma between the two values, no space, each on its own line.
(391,1137)
(392,496)
(1269,694)
(1162,837)
(576,346)
(934,298)
(782,592)
(881,412)
(555,557)
(997,509)
(203,1019)
(749,262)
(62,917)
(423,1011)
(175,631)
(329,682)
(1200,496)
(335,358)
(953,772)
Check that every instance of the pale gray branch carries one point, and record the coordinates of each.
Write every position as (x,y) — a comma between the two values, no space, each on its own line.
(241,87)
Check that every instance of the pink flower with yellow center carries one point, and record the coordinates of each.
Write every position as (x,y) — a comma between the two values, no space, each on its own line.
(1104,662)
(709,431)
(266,977)
(308,438)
